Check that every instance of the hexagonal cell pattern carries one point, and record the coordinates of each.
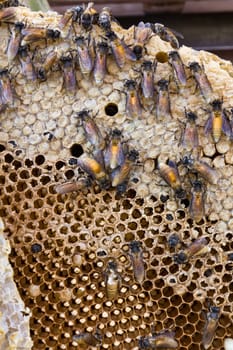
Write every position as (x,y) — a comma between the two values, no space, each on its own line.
(63,243)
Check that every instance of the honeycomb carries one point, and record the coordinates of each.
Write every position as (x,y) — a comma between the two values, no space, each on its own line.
(62,244)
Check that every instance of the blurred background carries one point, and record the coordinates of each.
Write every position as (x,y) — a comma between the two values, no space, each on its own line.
(205,24)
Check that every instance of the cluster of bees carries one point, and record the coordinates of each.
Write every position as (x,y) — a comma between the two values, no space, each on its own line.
(90,56)
(110,161)
(201,171)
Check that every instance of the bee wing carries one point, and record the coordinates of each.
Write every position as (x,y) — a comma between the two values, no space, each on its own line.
(197,209)
(120,174)
(197,246)
(138,266)
(208,333)
(50,60)
(128,52)
(226,128)
(13,46)
(100,67)
(7,14)
(85,60)
(207,172)
(190,136)
(147,84)
(33,34)
(65,19)
(178,34)
(69,79)
(208,125)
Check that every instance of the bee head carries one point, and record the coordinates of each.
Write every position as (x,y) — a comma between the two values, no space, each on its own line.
(180,193)
(163,84)
(130,84)
(116,133)
(195,67)
(79,40)
(138,51)
(180,258)
(19,25)
(133,155)
(187,161)
(135,246)
(112,265)
(191,116)
(83,114)
(111,35)
(216,104)
(147,65)
(173,55)
(144,343)
(197,186)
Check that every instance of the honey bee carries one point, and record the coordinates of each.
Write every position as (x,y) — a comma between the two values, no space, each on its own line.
(189,137)
(147,81)
(133,104)
(89,16)
(136,258)
(163,106)
(68,187)
(100,64)
(88,339)
(31,35)
(114,154)
(14,41)
(69,76)
(217,122)
(210,326)
(201,80)
(112,280)
(196,248)
(95,169)
(120,175)
(7,14)
(202,168)
(105,18)
(178,68)
(49,61)
(162,340)
(92,131)
(27,67)
(6,89)
(84,55)
(166,34)
(142,35)
(170,174)
(120,50)
(73,14)
(197,203)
